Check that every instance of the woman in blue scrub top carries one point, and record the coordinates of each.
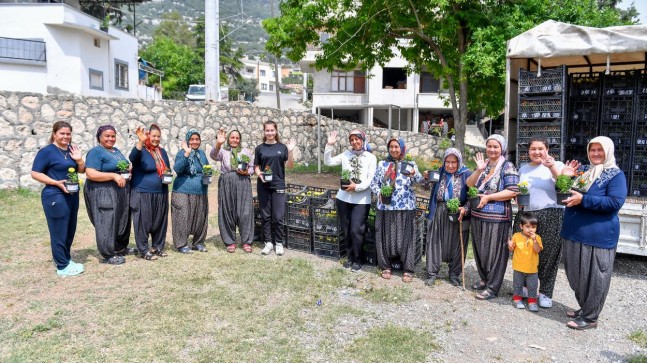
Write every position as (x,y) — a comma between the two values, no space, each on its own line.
(61,207)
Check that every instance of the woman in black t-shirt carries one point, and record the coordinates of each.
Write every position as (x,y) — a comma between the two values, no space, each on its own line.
(270,158)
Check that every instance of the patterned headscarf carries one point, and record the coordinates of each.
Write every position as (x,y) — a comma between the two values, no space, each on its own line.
(493,176)
(156,152)
(233,158)
(365,146)
(193,155)
(449,190)
(103,129)
(392,170)
(595,171)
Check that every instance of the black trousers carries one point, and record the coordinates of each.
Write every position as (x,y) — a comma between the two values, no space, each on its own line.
(108,209)
(272,204)
(352,218)
(150,217)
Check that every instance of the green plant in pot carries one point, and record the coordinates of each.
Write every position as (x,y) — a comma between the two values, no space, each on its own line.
(406,166)
(345,179)
(122,167)
(563,186)
(267,174)
(243,162)
(473,196)
(385,193)
(452,209)
(207,173)
(356,170)
(523,198)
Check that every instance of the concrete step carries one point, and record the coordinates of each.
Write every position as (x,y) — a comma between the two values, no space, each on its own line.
(473,136)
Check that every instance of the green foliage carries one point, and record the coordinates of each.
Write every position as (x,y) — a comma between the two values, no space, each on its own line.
(174,27)
(180,63)
(453,205)
(345,175)
(472,192)
(408,157)
(389,344)
(247,87)
(244,158)
(444,144)
(563,183)
(639,337)
(122,165)
(207,170)
(72,175)
(267,170)
(386,190)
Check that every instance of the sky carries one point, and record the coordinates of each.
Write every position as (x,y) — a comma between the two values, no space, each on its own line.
(641,6)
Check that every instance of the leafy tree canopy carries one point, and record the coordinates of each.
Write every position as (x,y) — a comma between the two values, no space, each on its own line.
(462,41)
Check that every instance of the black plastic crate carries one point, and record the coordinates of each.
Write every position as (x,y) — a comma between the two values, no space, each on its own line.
(422,203)
(642,83)
(523,158)
(638,184)
(583,121)
(326,200)
(329,246)
(585,84)
(540,107)
(620,132)
(299,239)
(420,233)
(550,81)
(552,131)
(624,162)
(622,83)
(325,221)
(298,215)
(640,158)
(617,109)
(577,152)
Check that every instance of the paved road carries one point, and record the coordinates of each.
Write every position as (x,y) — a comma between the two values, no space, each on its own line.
(288,101)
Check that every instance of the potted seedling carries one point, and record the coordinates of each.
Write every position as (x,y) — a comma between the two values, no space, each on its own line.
(243,162)
(473,196)
(385,194)
(356,166)
(122,166)
(267,174)
(452,209)
(345,179)
(523,198)
(105,23)
(406,166)
(72,182)
(563,186)
(207,173)
(167,177)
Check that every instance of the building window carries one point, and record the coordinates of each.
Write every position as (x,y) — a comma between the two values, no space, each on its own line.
(353,81)
(271,87)
(96,79)
(121,75)
(262,73)
(249,70)
(97,42)
(429,83)
(394,78)
(263,86)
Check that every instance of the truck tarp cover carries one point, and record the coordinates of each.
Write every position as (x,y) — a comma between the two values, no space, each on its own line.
(558,43)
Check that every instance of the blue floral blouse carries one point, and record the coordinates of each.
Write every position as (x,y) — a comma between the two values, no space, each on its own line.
(403,197)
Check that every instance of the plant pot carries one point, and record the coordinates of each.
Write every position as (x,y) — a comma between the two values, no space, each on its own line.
(453,217)
(385,200)
(125,175)
(523,199)
(206,179)
(474,202)
(242,166)
(267,177)
(167,178)
(344,184)
(433,176)
(104,28)
(406,168)
(72,187)
(561,197)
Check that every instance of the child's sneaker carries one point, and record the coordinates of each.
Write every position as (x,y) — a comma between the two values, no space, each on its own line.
(533,307)
(524,292)
(267,249)
(70,270)
(545,301)
(279,249)
(519,304)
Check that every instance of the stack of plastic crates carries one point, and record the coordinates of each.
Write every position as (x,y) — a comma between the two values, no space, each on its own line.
(541,110)
(639,167)
(420,233)
(370,251)
(328,239)
(422,204)
(582,123)
(617,116)
(298,219)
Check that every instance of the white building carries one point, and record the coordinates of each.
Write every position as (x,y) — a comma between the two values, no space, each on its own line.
(48,46)
(366,100)
(262,72)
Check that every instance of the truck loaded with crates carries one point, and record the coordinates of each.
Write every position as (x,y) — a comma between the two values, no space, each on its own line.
(569,84)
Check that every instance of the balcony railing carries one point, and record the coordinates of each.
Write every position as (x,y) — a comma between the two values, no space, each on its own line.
(22,50)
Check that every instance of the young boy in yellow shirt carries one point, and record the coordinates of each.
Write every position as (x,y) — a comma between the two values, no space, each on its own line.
(525,246)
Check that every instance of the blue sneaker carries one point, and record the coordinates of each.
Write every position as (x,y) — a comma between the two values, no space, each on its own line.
(70,270)
(79,266)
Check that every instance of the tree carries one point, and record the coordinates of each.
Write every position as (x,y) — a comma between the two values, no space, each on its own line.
(180,64)
(102,8)
(462,41)
(173,26)
(230,58)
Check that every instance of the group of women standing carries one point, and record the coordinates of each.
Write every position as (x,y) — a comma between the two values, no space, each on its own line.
(119,190)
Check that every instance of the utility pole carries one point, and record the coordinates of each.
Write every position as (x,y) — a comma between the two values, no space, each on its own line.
(211,51)
(276,66)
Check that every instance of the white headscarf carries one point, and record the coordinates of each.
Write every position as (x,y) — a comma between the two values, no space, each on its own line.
(494,175)
(595,171)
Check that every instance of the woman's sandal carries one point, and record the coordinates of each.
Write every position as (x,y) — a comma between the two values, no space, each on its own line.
(582,323)
(149,256)
(247,247)
(159,253)
(574,314)
(386,274)
(407,277)
(485,295)
(231,248)
(479,286)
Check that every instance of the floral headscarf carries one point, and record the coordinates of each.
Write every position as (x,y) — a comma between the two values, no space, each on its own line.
(392,169)
(365,146)
(595,171)
(156,152)
(103,129)
(233,158)
(449,190)
(494,176)
(193,155)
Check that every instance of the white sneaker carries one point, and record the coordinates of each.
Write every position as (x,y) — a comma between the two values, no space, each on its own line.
(279,249)
(545,301)
(267,249)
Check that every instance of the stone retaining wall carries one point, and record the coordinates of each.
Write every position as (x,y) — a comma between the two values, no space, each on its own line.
(26,123)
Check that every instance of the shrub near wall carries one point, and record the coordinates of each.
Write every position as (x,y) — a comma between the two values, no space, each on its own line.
(26,123)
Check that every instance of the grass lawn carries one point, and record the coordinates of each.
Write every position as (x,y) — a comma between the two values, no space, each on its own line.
(201,307)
